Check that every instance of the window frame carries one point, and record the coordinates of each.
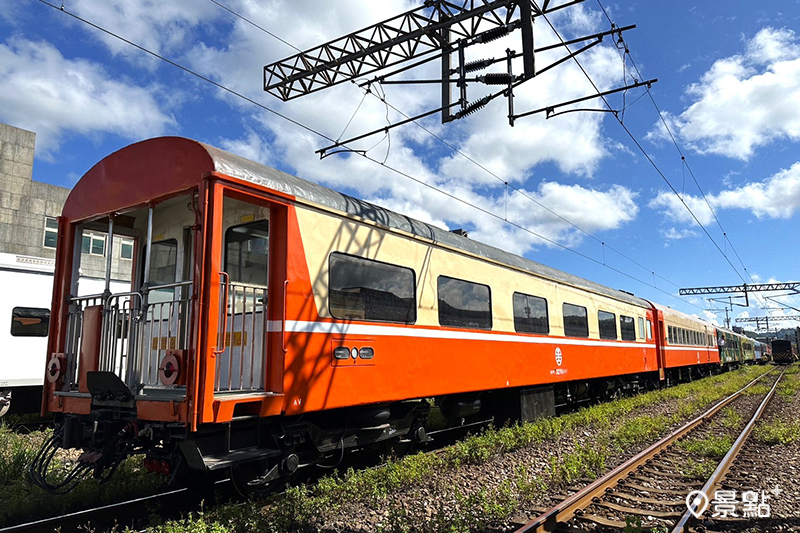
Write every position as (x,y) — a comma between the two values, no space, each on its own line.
(522,319)
(171,241)
(632,328)
(585,316)
(415,303)
(467,282)
(49,230)
(225,250)
(93,236)
(124,241)
(604,331)
(38,333)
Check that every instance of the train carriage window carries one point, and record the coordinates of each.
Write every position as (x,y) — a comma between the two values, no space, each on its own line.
(163,262)
(576,321)
(627,328)
(530,314)
(464,304)
(649,330)
(607,323)
(641,328)
(29,321)
(371,290)
(247,253)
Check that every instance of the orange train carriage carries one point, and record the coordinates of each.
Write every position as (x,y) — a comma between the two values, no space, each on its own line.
(272,323)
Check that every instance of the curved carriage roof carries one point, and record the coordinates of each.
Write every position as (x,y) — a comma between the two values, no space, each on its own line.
(156,168)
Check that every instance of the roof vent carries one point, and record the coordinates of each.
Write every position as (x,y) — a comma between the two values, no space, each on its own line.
(460,231)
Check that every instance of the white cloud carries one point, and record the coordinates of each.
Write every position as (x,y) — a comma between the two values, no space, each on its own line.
(45,92)
(253,147)
(744,101)
(711,317)
(777,197)
(162,27)
(672,207)
(227,49)
(675,234)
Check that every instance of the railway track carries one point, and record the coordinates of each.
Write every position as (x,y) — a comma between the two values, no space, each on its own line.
(649,492)
(171,504)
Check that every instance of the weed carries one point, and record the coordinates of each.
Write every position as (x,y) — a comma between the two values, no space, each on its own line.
(713,446)
(700,469)
(640,429)
(585,461)
(778,432)
(731,418)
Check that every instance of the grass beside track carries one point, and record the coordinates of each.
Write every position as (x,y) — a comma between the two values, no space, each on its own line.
(21,501)
(305,508)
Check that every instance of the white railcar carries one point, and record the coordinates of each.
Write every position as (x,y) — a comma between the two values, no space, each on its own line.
(26,290)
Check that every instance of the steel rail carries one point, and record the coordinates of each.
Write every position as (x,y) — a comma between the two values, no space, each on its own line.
(567,509)
(724,466)
(115,514)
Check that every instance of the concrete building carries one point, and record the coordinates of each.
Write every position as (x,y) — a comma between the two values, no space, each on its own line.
(28,212)
(25,205)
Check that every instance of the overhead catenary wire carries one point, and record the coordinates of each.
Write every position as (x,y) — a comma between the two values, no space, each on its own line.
(505,182)
(381,163)
(684,163)
(642,149)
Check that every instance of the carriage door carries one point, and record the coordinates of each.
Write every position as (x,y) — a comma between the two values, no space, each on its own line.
(241,366)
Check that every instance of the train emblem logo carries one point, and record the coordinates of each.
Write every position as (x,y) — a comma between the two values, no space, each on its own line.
(559,359)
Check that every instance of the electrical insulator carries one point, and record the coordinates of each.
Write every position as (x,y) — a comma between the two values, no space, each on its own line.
(493,34)
(472,66)
(499,78)
(474,106)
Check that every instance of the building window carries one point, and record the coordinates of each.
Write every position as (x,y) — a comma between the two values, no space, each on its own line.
(627,328)
(607,323)
(464,304)
(30,322)
(641,328)
(50,232)
(576,321)
(126,248)
(370,290)
(530,314)
(93,244)
(247,253)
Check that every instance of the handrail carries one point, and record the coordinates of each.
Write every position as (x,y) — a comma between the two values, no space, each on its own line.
(283,316)
(224,322)
(170,285)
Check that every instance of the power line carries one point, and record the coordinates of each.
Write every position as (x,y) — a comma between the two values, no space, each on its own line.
(467,157)
(641,148)
(684,162)
(383,164)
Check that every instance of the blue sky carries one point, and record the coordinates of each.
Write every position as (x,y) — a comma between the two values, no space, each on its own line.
(728,89)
